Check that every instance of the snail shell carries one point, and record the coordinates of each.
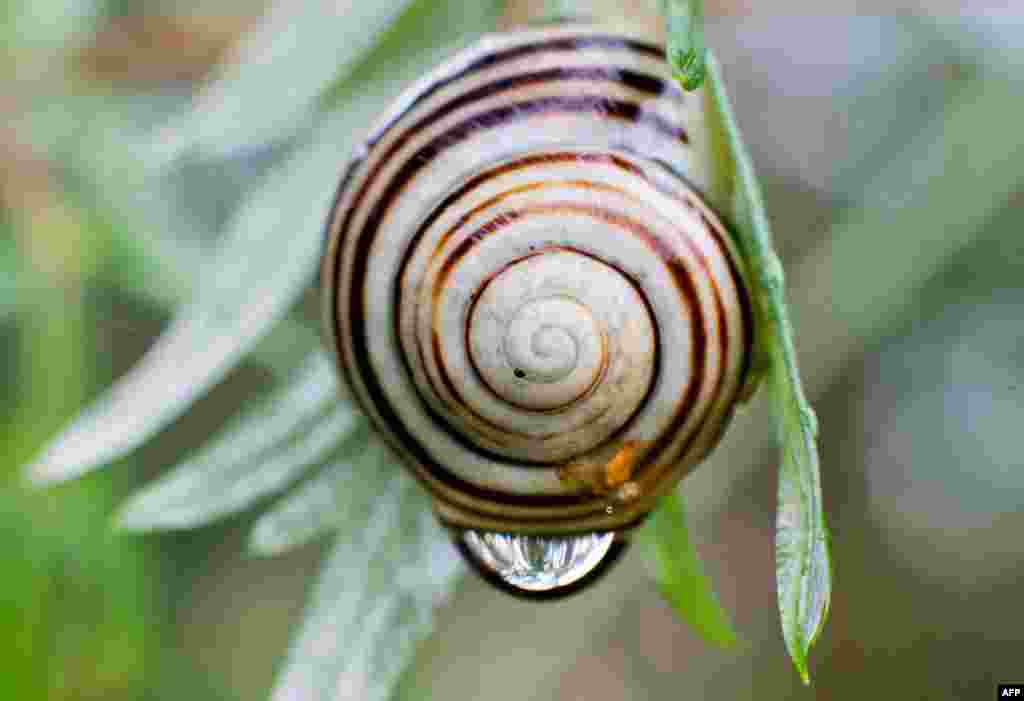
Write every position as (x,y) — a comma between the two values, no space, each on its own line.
(526,291)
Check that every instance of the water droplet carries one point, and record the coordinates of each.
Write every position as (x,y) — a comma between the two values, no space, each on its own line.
(538,564)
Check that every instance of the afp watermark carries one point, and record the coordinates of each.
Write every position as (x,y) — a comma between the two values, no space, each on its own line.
(1011,691)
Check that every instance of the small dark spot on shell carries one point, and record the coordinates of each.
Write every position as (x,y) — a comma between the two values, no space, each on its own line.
(519,373)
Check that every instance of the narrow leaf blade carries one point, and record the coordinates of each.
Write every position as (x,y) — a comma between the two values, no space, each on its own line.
(681,576)
(340,494)
(246,288)
(259,454)
(803,569)
(373,603)
(304,45)
(249,285)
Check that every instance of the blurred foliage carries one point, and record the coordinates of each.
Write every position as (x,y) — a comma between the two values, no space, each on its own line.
(77,608)
(120,187)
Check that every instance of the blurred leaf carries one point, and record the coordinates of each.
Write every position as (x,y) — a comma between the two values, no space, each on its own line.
(554,10)
(135,50)
(247,286)
(993,38)
(76,609)
(8,274)
(76,614)
(803,570)
(933,200)
(266,262)
(48,24)
(331,499)
(681,575)
(539,12)
(259,454)
(299,47)
(157,243)
(374,601)
(426,34)
(97,140)
(685,50)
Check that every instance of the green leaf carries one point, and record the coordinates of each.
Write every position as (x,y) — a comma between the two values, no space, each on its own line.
(331,499)
(803,570)
(298,46)
(259,454)
(685,49)
(681,575)
(374,601)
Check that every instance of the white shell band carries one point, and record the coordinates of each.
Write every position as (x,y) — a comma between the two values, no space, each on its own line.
(521,294)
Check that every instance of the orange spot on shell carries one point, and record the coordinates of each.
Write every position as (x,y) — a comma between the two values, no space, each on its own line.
(605,477)
(619,469)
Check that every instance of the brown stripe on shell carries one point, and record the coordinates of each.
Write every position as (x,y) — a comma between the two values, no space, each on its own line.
(489,228)
(641,82)
(464,249)
(559,44)
(496,117)
(679,273)
(742,293)
(526,507)
(598,377)
(720,232)
(491,119)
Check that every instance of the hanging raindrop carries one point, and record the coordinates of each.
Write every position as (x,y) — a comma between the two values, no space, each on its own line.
(536,565)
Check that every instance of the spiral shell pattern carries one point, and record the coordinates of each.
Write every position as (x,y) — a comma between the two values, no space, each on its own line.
(540,314)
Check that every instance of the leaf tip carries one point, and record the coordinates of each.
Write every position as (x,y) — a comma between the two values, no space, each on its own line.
(146,511)
(38,475)
(801,669)
(129,518)
(263,542)
(52,468)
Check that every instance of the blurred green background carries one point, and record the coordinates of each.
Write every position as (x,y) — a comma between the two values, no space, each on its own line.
(892,157)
